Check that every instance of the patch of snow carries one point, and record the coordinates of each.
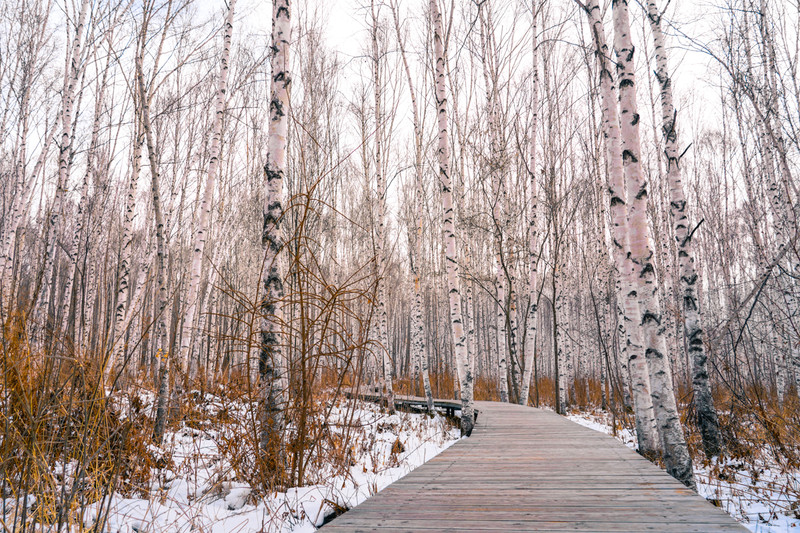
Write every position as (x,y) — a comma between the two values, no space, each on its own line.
(199,490)
(761,499)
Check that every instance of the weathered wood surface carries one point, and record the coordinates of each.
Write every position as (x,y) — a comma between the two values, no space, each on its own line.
(524,469)
(400,401)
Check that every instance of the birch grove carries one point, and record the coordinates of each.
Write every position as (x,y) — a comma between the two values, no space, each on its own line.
(540,202)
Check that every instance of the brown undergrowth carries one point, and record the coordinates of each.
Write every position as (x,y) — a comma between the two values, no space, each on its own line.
(68,446)
(63,444)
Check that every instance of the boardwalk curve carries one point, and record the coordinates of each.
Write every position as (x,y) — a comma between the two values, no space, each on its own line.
(525,469)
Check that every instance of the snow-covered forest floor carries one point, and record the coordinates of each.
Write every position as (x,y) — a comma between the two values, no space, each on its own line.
(759,492)
(201,490)
(202,475)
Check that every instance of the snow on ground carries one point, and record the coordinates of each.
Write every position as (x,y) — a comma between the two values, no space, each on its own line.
(200,491)
(763,498)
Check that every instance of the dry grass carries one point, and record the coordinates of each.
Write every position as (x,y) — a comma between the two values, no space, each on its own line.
(64,444)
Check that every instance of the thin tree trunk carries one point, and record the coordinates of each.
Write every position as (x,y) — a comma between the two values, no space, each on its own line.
(123,285)
(418,324)
(453,289)
(199,238)
(380,237)
(19,213)
(71,76)
(80,216)
(533,252)
(160,328)
(201,234)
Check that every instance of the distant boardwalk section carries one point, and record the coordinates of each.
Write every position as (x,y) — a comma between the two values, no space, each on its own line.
(525,469)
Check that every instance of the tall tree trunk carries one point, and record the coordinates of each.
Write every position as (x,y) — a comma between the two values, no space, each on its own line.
(496,167)
(19,213)
(533,252)
(122,308)
(703,401)
(71,75)
(781,190)
(380,233)
(201,233)
(81,216)
(418,324)
(160,332)
(25,184)
(272,361)
(453,289)
(676,453)
(630,333)
(500,320)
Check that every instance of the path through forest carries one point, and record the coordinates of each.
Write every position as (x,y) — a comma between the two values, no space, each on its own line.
(526,469)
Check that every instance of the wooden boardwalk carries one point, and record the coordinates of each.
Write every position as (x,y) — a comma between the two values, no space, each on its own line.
(524,469)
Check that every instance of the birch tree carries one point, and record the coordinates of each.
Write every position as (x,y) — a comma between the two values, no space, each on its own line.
(533,244)
(201,233)
(72,73)
(618,202)
(676,453)
(272,365)
(448,225)
(380,212)
(418,324)
(33,25)
(703,401)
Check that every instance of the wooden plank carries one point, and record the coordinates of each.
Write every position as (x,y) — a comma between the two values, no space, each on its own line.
(409,401)
(459,526)
(524,469)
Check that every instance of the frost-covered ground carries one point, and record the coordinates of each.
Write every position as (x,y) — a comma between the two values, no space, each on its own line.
(200,491)
(762,498)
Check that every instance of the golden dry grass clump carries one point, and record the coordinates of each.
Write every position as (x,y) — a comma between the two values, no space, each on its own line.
(64,444)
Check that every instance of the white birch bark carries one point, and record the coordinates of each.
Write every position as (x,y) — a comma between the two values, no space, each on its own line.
(533,252)
(495,163)
(123,283)
(676,453)
(272,360)
(71,75)
(628,307)
(201,234)
(160,332)
(19,214)
(779,361)
(780,190)
(513,331)
(453,289)
(704,404)
(88,332)
(142,134)
(117,345)
(80,216)
(380,233)
(500,319)
(25,184)
(469,316)
(558,356)
(199,240)
(418,324)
